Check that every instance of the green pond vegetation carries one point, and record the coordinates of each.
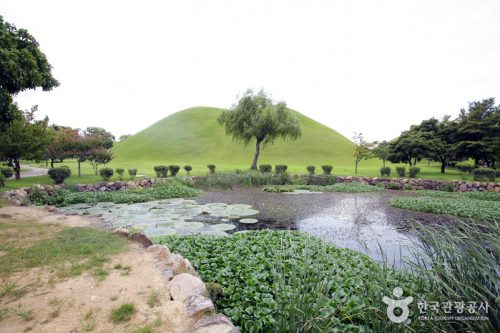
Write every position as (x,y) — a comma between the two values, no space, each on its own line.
(354,187)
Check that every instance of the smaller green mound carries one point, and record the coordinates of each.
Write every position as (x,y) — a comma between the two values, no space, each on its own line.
(469,208)
(354,187)
(488,196)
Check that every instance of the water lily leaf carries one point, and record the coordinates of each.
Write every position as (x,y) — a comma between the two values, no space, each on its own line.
(223,227)
(249,221)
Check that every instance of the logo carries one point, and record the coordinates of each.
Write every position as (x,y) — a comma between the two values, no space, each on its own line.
(401,303)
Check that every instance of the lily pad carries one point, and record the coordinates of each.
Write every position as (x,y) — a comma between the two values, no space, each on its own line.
(216,233)
(189,225)
(249,221)
(223,227)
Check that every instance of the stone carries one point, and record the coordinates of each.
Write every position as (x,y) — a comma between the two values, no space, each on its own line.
(462,188)
(195,304)
(178,264)
(168,274)
(215,324)
(159,252)
(141,239)
(121,232)
(184,285)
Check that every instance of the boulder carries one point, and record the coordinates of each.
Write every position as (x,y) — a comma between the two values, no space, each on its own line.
(159,252)
(195,304)
(121,232)
(141,239)
(215,324)
(184,285)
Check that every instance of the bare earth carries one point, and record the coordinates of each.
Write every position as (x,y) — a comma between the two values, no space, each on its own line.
(82,304)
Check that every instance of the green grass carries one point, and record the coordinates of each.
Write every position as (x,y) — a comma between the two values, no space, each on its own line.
(123,313)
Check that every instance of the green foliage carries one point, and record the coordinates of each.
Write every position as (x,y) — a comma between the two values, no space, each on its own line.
(174,169)
(385,171)
(401,171)
(58,175)
(161,171)
(469,208)
(488,196)
(447,187)
(265,168)
(465,167)
(159,191)
(353,187)
(280,168)
(381,150)
(123,313)
(407,187)
(413,171)
(106,173)
(132,172)
(484,174)
(362,150)
(393,186)
(99,156)
(311,169)
(249,179)
(2,180)
(188,169)
(327,169)
(211,168)
(120,172)
(7,172)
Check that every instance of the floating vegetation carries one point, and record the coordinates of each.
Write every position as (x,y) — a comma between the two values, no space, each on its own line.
(223,227)
(249,221)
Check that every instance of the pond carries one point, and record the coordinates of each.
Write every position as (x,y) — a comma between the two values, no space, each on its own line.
(361,221)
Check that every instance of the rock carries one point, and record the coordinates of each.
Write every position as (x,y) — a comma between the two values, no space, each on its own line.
(462,188)
(184,285)
(195,304)
(178,264)
(497,189)
(121,232)
(168,274)
(141,239)
(215,324)
(159,252)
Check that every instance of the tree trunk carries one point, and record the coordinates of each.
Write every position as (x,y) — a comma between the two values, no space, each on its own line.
(257,153)
(443,165)
(17,168)
(356,167)
(79,169)
(52,163)
(383,162)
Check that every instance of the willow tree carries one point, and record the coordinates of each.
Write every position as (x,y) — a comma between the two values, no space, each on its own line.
(256,118)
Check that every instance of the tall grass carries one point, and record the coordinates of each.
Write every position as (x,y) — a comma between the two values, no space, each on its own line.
(247,179)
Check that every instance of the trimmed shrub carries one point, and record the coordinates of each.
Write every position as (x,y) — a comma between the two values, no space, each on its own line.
(2,179)
(401,171)
(7,172)
(385,171)
(132,173)
(280,168)
(188,169)
(161,171)
(106,173)
(327,169)
(174,169)
(211,168)
(311,169)
(265,168)
(481,174)
(465,167)
(413,171)
(120,172)
(58,175)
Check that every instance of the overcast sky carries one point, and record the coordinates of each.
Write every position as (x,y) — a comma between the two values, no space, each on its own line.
(367,66)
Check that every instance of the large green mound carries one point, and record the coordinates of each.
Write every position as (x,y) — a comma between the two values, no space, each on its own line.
(193,136)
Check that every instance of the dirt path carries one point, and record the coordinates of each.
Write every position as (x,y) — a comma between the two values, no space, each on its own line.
(83,303)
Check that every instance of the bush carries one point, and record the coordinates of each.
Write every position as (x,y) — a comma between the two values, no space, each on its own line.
(7,172)
(188,168)
(280,168)
(58,175)
(311,169)
(401,171)
(385,171)
(174,169)
(161,171)
(265,168)
(211,168)
(106,173)
(447,187)
(413,171)
(2,179)
(465,167)
(327,169)
(393,186)
(132,173)
(120,172)
(407,187)
(481,174)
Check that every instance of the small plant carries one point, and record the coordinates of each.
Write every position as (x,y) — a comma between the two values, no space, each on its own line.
(280,168)
(2,180)
(265,168)
(7,172)
(385,171)
(393,186)
(447,187)
(482,174)
(311,169)
(100,274)
(132,173)
(211,168)
(401,170)
(153,299)
(214,291)
(188,169)
(120,172)
(327,169)
(25,314)
(174,169)
(122,313)
(106,173)
(89,320)
(407,187)
(238,171)
(144,329)
(413,171)
(58,175)
(161,171)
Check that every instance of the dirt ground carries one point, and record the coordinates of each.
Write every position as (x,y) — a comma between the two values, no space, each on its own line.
(82,303)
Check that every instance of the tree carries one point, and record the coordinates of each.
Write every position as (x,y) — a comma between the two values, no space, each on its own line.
(381,151)
(99,156)
(22,66)
(24,137)
(124,137)
(362,150)
(478,132)
(100,134)
(256,117)
(411,146)
(63,143)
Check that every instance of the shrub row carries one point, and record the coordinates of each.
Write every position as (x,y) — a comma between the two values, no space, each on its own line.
(484,174)
(163,170)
